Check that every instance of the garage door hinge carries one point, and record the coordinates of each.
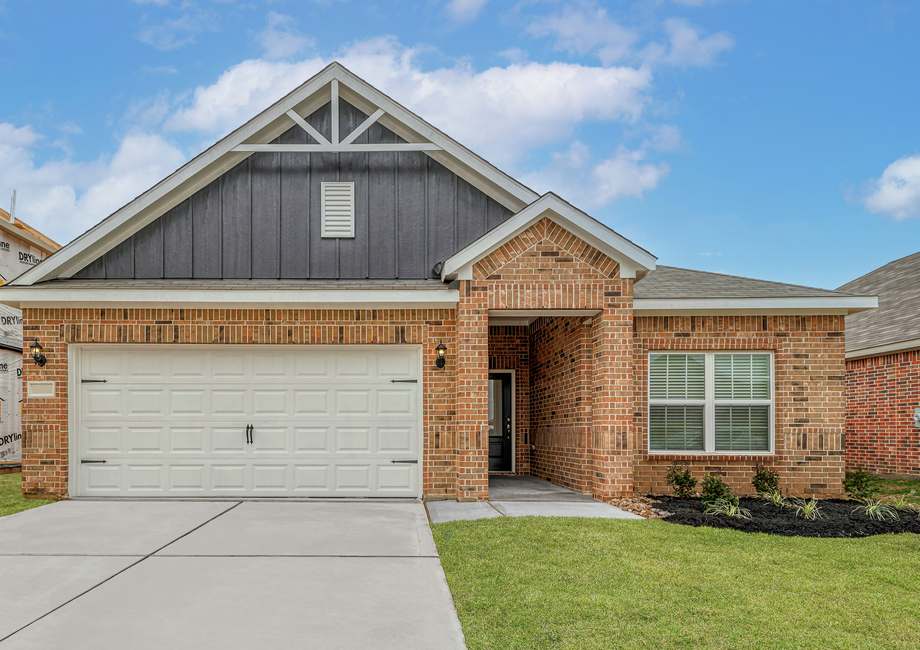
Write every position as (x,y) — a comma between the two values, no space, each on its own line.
(404,381)
(87,462)
(94,381)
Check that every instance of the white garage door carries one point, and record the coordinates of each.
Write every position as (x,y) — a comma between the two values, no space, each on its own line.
(248,421)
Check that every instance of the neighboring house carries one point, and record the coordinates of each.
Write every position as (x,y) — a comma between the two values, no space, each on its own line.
(883,372)
(269,320)
(21,248)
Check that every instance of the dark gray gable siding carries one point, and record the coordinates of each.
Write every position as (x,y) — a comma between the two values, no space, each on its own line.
(261,219)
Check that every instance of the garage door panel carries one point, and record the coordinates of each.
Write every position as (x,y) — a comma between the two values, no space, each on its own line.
(228,477)
(313,402)
(271,440)
(173,421)
(145,478)
(313,440)
(189,440)
(144,439)
(268,402)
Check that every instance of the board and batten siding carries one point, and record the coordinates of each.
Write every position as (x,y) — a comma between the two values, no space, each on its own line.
(261,219)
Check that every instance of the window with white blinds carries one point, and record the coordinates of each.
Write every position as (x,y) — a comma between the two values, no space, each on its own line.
(710,402)
(338,209)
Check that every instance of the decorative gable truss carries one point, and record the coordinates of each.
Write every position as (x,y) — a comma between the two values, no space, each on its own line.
(259,134)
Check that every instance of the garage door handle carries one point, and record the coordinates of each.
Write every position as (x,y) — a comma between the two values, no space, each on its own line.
(405,462)
(248,434)
(404,381)
(88,462)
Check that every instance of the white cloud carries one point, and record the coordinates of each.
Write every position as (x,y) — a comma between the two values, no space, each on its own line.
(576,176)
(897,191)
(665,137)
(160,69)
(687,47)
(177,32)
(501,113)
(586,30)
(280,39)
(63,198)
(465,10)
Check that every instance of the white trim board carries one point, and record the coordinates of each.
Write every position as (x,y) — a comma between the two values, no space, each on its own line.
(634,261)
(232,299)
(261,130)
(716,306)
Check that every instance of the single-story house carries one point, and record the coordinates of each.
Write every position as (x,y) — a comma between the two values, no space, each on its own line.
(883,372)
(337,299)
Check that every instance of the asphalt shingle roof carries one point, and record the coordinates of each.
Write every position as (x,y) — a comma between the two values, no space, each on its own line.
(669,282)
(897,319)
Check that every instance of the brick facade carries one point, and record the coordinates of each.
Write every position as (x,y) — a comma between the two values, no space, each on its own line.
(809,397)
(882,393)
(580,389)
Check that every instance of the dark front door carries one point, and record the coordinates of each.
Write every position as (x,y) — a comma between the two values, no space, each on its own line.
(500,422)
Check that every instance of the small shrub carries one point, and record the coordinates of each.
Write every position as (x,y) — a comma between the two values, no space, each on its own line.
(775,497)
(681,481)
(861,485)
(807,509)
(877,510)
(727,508)
(765,480)
(902,503)
(714,488)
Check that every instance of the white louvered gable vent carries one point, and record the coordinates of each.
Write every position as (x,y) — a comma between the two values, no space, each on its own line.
(338,212)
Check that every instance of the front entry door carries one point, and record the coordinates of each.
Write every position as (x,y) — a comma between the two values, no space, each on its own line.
(500,447)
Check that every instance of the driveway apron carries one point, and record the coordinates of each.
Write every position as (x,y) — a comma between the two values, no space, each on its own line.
(355,574)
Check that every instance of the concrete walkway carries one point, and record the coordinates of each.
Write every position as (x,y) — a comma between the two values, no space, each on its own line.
(525,496)
(100,575)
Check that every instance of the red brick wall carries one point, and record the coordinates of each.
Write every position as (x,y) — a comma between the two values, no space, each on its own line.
(509,349)
(562,362)
(882,393)
(809,370)
(45,421)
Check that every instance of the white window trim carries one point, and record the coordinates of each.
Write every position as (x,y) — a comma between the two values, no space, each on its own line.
(709,404)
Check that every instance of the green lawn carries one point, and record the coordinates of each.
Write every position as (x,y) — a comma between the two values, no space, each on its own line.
(594,583)
(11,499)
(897,487)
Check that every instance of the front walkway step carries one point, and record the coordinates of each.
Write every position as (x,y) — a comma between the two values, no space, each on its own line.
(444,511)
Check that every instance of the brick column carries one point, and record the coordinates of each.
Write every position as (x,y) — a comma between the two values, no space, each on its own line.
(472,393)
(612,440)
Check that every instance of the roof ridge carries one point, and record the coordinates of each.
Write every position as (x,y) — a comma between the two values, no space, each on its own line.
(876,270)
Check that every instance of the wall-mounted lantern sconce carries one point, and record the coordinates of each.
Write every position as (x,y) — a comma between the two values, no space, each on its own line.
(441,349)
(36,349)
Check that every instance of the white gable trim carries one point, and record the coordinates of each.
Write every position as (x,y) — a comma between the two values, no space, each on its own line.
(263,128)
(634,261)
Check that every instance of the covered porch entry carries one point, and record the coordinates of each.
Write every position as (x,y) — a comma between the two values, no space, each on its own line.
(540,416)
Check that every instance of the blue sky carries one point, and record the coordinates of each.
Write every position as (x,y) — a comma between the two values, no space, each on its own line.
(771,139)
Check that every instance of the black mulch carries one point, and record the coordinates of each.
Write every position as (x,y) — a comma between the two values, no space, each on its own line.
(839,519)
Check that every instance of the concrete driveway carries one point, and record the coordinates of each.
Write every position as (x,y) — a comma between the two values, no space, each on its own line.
(253,574)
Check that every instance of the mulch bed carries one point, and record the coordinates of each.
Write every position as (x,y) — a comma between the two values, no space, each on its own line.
(839,519)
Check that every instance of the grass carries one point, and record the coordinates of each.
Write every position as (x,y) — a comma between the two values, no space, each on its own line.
(592,583)
(897,487)
(11,499)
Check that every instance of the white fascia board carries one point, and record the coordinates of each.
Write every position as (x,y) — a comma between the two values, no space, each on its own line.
(631,258)
(901,346)
(714,306)
(231,299)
